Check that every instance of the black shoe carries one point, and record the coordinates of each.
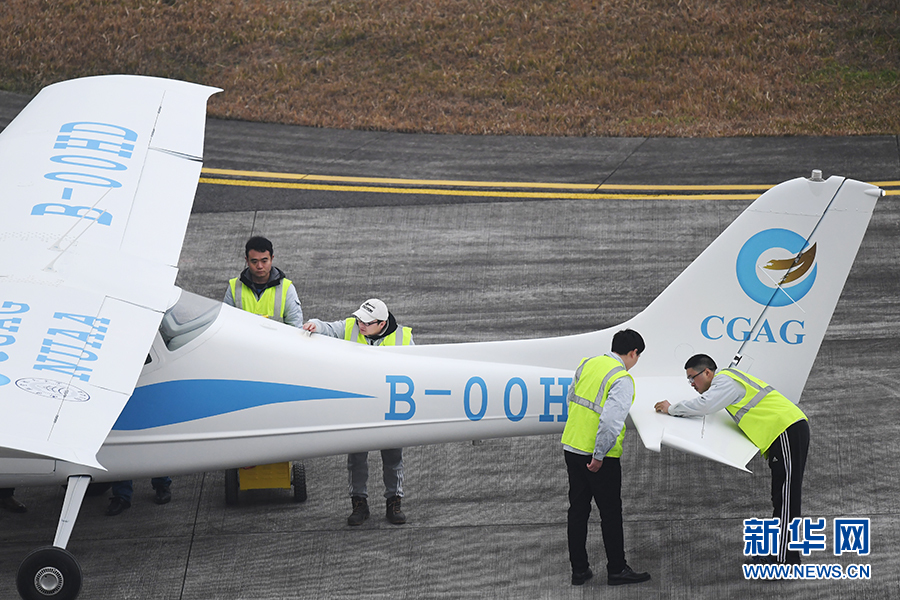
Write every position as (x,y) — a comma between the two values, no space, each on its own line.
(627,576)
(360,511)
(12,505)
(394,514)
(163,495)
(116,506)
(580,578)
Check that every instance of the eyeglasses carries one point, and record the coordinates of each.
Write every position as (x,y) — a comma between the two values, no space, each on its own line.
(367,324)
(695,375)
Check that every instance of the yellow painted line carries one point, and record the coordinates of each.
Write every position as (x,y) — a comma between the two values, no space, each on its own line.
(490,189)
(395,181)
(460,183)
(474,193)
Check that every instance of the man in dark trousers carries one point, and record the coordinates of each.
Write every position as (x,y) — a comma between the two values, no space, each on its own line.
(598,402)
(772,422)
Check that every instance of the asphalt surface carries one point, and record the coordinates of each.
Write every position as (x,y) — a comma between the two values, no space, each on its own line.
(486,238)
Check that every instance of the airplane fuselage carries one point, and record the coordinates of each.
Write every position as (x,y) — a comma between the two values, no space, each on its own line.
(240,389)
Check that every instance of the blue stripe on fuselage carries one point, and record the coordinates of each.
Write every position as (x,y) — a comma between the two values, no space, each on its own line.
(173,402)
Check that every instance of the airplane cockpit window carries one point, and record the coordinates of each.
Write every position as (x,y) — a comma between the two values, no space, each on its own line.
(190,317)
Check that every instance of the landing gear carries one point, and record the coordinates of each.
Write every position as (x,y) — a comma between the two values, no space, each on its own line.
(52,572)
(49,573)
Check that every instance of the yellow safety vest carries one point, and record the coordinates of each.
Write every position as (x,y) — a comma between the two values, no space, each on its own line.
(270,304)
(587,397)
(352,334)
(763,413)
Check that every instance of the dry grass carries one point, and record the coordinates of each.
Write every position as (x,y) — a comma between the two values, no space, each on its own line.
(568,67)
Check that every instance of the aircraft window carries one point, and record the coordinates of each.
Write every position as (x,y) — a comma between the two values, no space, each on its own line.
(190,317)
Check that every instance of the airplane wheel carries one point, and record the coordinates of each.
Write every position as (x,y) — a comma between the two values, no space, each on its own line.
(49,572)
(298,480)
(232,487)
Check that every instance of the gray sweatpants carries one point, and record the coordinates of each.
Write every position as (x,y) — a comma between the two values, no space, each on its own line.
(358,470)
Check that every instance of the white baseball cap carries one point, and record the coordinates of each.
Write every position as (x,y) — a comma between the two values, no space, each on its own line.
(372,309)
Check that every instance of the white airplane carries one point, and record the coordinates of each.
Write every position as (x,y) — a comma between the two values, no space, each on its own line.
(109,372)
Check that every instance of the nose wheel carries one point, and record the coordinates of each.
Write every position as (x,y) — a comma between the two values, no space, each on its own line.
(49,573)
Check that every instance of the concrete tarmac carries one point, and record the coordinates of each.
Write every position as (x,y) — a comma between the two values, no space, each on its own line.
(519,258)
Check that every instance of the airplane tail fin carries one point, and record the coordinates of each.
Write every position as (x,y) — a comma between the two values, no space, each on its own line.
(760,297)
(762,294)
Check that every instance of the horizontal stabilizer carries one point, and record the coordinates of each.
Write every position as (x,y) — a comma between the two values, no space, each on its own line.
(715,437)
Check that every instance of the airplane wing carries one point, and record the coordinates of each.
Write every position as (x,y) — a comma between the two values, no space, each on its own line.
(98,177)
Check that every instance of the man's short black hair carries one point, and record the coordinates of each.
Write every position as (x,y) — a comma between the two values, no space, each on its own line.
(700,363)
(260,244)
(627,340)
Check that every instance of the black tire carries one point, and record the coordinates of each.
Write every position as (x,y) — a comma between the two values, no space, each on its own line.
(232,487)
(49,573)
(298,480)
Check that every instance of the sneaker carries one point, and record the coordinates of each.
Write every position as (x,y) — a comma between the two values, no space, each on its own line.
(580,578)
(116,506)
(360,511)
(627,576)
(163,495)
(394,514)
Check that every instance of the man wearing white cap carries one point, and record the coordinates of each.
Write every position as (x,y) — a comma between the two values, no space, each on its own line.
(374,325)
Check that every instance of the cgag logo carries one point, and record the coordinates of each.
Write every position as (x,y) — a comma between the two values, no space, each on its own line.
(775,268)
